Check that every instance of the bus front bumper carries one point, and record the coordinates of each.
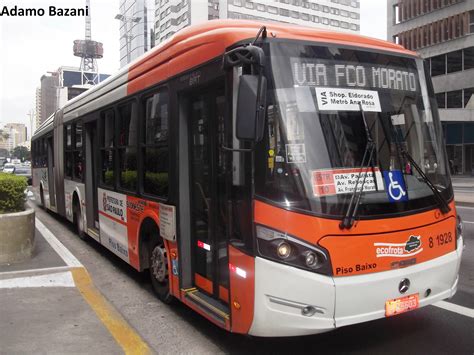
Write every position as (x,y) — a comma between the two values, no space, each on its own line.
(283,295)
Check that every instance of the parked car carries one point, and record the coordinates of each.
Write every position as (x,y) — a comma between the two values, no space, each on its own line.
(22,170)
(9,168)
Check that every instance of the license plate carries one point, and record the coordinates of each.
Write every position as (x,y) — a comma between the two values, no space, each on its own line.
(401,305)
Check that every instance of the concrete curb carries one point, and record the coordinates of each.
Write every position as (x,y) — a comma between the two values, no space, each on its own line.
(17,236)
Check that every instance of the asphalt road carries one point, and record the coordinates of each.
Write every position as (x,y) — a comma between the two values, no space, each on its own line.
(177,329)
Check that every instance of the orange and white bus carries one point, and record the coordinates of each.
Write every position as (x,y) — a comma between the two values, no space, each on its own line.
(279,180)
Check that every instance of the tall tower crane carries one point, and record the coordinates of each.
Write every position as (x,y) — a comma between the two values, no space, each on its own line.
(89,51)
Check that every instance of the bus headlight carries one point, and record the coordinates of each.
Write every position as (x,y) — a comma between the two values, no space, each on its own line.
(286,249)
(311,260)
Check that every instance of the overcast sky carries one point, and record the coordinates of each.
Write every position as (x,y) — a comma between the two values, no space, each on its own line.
(32,46)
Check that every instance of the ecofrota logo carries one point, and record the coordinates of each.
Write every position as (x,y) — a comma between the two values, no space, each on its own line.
(413,243)
(399,250)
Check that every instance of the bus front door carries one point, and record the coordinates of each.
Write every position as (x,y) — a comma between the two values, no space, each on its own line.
(209,193)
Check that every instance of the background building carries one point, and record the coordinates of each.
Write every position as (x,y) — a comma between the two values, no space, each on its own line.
(16,135)
(442,31)
(58,87)
(37,108)
(136,29)
(173,15)
(48,96)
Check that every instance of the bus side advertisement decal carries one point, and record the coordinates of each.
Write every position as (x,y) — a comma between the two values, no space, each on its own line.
(113,222)
(168,222)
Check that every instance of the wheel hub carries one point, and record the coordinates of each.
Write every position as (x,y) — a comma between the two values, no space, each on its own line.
(159,263)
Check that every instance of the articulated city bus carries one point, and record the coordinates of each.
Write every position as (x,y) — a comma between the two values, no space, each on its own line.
(279,180)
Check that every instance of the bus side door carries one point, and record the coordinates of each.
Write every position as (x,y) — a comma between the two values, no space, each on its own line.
(208,189)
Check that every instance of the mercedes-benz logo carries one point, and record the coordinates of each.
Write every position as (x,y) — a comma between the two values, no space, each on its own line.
(404,285)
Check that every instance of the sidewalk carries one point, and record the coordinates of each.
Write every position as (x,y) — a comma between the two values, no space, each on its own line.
(49,305)
(463,189)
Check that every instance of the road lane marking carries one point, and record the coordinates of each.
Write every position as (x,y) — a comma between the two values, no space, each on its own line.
(58,247)
(123,334)
(465,207)
(118,327)
(467,222)
(32,271)
(61,279)
(468,312)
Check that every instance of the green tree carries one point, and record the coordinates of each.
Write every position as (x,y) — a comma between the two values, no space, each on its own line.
(21,153)
(4,153)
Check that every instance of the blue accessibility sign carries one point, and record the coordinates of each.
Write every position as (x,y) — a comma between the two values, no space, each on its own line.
(395,184)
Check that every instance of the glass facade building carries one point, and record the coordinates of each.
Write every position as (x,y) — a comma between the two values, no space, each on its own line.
(442,32)
(173,15)
(136,29)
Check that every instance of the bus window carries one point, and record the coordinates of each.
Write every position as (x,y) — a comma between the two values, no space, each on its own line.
(78,135)
(127,146)
(45,153)
(68,155)
(154,145)
(68,136)
(107,148)
(78,153)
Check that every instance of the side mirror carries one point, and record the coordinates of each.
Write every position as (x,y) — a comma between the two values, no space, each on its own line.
(251,105)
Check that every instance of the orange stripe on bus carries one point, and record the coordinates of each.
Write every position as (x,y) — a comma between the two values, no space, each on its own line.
(224,294)
(242,291)
(203,283)
(312,229)
(113,219)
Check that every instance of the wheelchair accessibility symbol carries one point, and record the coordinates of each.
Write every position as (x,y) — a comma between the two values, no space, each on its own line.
(396,189)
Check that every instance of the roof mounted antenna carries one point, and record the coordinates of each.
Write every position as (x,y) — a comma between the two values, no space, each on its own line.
(262,32)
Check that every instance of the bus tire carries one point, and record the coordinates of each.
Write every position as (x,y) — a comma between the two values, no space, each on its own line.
(159,270)
(42,197)
(78,222)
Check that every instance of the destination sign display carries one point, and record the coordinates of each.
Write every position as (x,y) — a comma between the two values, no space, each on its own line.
(324,73)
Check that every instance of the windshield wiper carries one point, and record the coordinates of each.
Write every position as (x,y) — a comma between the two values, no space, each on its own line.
(443,204)
(348,220)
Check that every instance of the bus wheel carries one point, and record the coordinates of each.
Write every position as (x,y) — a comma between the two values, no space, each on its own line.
(78,222)
(159,271)
(42,197)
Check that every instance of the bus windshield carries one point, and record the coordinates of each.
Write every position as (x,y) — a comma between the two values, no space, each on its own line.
(315,139)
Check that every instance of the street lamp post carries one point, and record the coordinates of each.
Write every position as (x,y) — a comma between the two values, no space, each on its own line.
(126,20)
